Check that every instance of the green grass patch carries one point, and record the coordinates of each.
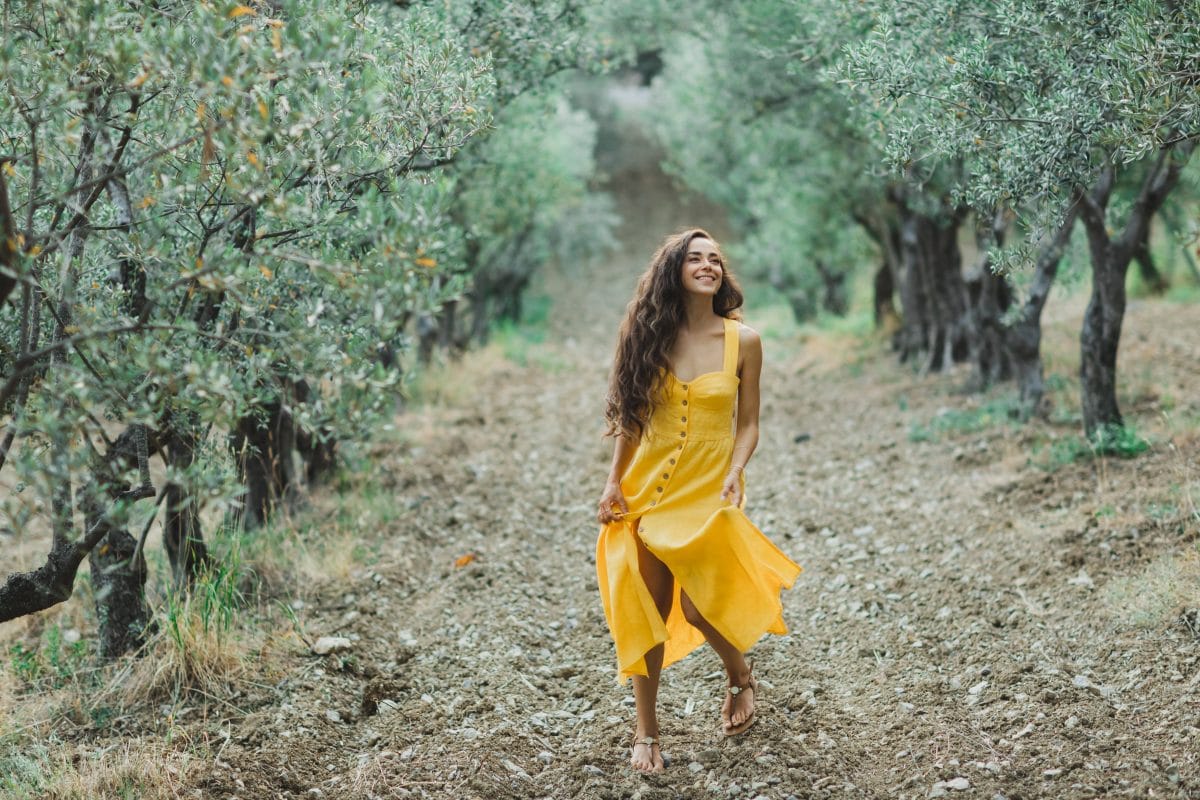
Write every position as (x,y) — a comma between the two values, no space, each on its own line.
(59,658)
(1004,410)
(1113,441)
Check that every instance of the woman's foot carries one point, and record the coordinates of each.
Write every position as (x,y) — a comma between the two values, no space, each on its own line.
(737,712)
(646,755)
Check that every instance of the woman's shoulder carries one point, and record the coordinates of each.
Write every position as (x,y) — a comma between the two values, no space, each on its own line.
(747,336)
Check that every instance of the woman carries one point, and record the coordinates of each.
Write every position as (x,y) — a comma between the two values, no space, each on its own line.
(678,561)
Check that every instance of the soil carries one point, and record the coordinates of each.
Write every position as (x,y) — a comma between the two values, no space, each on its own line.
(965,618)
(975,618)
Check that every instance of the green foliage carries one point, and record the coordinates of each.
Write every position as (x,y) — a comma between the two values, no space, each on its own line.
(216,207)
(1032,98)
(752,119)
(1003,410)
(1110,441)
(1121,441)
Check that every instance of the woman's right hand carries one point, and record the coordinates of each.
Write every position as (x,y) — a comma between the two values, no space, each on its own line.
(612,504)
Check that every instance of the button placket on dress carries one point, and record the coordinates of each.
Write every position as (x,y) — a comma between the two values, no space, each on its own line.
(666,475)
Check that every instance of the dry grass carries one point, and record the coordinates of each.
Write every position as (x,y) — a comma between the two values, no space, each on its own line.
(144,770)
(1157,596)
(197,649)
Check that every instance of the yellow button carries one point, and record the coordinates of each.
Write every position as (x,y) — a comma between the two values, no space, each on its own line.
(659,489)
(683,419)
(685,402)
(682,434)
(665,476)
(672,461)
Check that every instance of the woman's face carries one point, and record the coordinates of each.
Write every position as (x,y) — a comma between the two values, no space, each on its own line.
(703,268)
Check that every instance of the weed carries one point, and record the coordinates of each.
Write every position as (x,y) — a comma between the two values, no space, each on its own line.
(195,649)
(998,411)
(1121,441)
(56,660)
(1114,440)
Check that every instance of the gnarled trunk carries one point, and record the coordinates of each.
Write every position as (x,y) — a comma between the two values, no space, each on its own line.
(1100,336)
(933,295)
(263,443)
(183,536)
(1025,334)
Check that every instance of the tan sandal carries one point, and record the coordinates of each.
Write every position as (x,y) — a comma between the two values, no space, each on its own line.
(649,742)
(734,691)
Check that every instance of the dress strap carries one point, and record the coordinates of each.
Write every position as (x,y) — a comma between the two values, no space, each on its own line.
(731,347)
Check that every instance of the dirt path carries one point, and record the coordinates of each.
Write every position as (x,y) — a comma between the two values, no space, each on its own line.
(968,623)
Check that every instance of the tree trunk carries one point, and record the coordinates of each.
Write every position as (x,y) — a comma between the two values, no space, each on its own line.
(119,581)
(183,536)
(885,288)
(885,233)
(933,294)
(263,444)
(1025,335)
(991,297)
(318,449)
(1156,282)
(10,256)
(833,283)
(1100,336)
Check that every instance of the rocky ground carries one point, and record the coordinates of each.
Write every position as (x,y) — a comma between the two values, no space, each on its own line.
(968,623)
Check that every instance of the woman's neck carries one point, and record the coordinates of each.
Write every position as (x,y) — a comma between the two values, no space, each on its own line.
(697,311)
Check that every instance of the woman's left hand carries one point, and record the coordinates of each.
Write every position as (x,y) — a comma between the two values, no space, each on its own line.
(732,490)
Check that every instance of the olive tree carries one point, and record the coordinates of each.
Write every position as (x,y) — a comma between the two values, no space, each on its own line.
(1050,105)
(215,218)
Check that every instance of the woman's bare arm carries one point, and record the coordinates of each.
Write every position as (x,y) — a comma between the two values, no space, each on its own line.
(613,497)
(745,439)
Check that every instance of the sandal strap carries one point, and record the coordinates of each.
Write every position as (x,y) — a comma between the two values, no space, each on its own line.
(750,683)
(646,740)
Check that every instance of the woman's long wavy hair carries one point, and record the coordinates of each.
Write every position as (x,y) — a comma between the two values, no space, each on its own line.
(648,333)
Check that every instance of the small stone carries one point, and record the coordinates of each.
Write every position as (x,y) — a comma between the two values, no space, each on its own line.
(978,688)
(734,789)
(71,636)
(943,788)
(695,767)
(386,707)
(591,769)
(330,644)
(545,757)
(1052,773)
(333,716)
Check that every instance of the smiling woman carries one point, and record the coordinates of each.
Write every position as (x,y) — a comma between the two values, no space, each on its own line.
(677,559)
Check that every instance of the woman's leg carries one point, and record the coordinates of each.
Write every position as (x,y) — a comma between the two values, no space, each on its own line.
(661,584)
(739,707)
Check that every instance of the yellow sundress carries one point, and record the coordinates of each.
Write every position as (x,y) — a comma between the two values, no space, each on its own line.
(729,569)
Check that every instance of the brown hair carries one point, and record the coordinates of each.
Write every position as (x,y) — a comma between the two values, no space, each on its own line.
(648,333)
